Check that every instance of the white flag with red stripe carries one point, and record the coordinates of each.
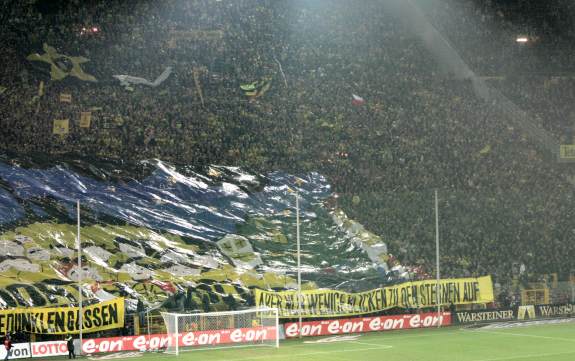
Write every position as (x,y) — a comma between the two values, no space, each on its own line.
(357,100)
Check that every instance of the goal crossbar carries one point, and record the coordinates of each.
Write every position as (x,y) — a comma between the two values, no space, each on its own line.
(223,313)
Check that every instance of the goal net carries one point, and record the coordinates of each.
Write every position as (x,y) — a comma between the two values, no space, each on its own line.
(193,331)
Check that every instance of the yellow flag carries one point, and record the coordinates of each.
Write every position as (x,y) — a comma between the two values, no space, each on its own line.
(299,181)
(485,150)
(214,172)
(256,89)
(61,126)
(198,85)
(85,119)
(58,69)
(65,98)
(41,89)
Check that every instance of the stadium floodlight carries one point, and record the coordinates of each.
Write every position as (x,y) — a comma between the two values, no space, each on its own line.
(522,39)
(229,329)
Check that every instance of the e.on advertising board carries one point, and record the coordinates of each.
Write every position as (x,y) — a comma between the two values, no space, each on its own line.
(367,324)
(142,342)
(185,339)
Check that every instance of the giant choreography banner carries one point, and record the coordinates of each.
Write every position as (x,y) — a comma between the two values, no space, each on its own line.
(63,320)
(418,294)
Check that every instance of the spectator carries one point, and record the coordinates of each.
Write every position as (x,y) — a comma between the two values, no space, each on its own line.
(7,346)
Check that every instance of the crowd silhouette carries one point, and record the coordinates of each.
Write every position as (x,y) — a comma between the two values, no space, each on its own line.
(503,200)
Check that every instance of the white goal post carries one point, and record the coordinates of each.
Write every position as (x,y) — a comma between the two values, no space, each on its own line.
(194,331)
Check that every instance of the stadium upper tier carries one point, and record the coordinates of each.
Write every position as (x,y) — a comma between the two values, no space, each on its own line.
(340,88)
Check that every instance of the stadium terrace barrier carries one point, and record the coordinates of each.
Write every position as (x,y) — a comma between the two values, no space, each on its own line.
(367,324)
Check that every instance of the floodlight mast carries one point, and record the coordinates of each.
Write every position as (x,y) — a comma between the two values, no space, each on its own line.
(437,260)
(79,244)
(298,263)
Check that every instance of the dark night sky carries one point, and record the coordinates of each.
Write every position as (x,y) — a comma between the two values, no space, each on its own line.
(545,18)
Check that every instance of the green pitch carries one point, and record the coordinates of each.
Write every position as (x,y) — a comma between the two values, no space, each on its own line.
(552,342)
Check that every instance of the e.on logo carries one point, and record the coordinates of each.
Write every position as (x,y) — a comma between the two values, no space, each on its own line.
(417,321)
(16,353)
(250,335)
(95,345)
(307,329)
(380,324)
(345,326)
(153,342)
(191,339)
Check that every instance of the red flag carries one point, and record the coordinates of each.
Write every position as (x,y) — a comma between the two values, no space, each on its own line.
(357,100)
(166,286)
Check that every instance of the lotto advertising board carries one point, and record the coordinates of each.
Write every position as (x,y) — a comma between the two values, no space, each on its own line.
(37,349)
(367,324)
(51,348)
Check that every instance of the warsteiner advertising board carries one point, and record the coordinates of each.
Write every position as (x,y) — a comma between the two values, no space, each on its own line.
(520,313)
(556,310)
(479,316)
(63,320)
(418,294)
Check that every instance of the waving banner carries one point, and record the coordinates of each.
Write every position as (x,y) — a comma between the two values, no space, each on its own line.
(128,80)
(62,65)
(63,320)
(418,294)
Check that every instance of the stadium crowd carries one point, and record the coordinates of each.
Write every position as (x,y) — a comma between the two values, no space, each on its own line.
(503,201)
